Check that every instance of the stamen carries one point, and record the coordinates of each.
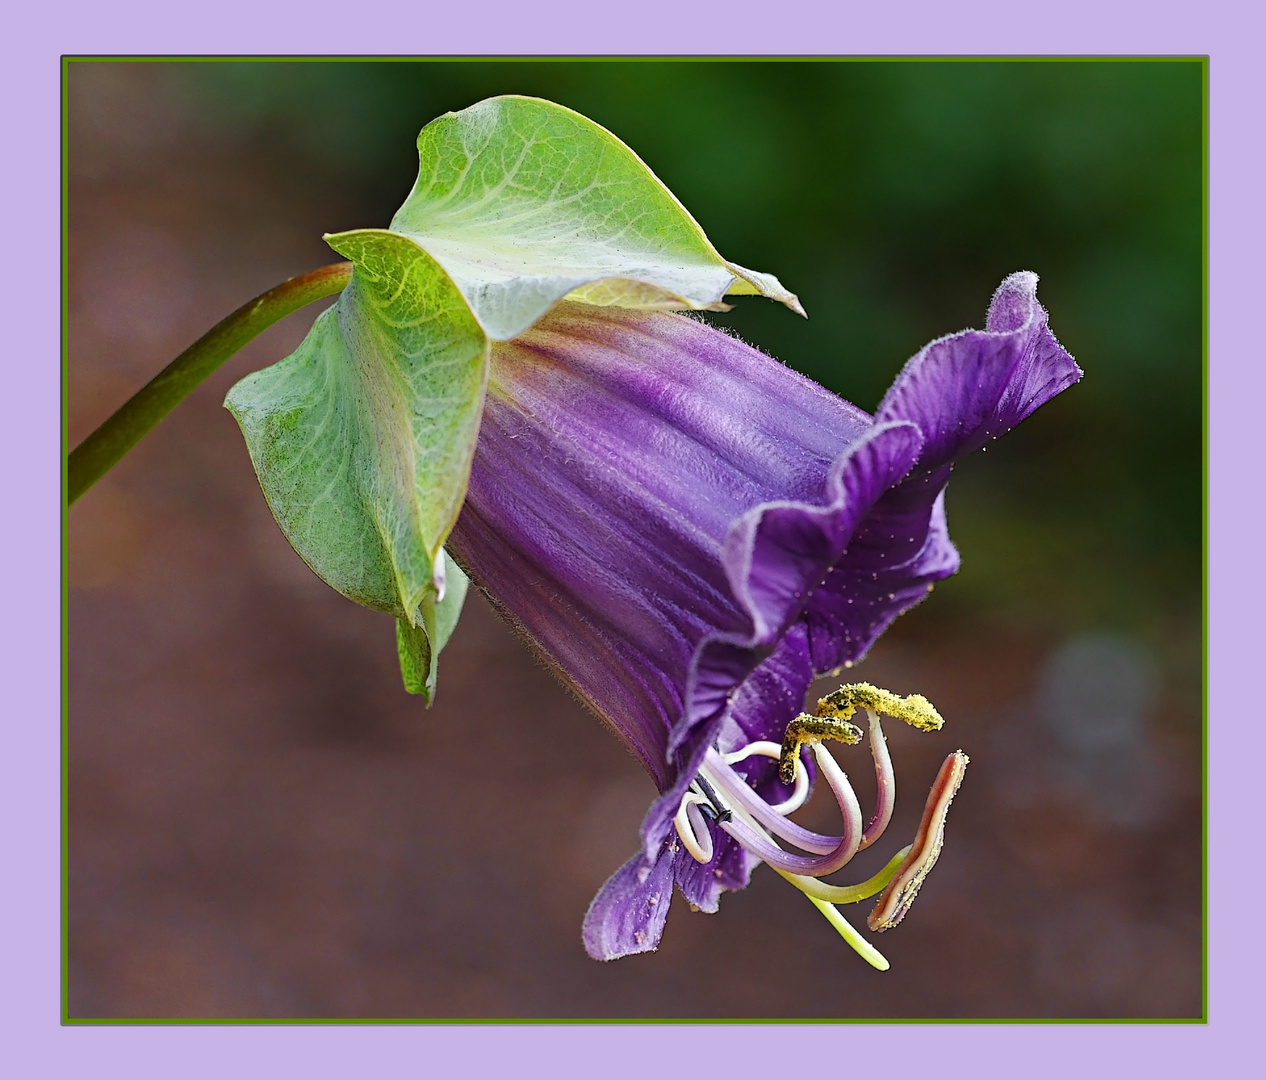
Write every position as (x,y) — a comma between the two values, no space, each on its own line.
(739,794)
(774,750)
(824,903)
(899,881)
(814,866)
(812,729)
(830,720)
(923,853)
(691,828)
(772,817)
(701,832)
(885,783)
(915,710)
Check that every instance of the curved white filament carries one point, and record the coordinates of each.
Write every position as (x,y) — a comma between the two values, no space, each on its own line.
(765,748)
(691,826)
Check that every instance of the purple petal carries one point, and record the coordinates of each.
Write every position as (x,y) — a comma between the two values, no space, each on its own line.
(970,387)
(770,698)
(777,553)
(627,916)
(703,883)
(775,689)
(625,469)
(962,391)
(872,585)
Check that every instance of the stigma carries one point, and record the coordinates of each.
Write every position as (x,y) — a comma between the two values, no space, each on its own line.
(722,798)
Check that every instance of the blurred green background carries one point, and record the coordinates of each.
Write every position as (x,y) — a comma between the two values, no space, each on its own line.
(893,198)
(261,821)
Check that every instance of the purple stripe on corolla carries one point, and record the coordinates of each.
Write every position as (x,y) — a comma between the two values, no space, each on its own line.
(688,532)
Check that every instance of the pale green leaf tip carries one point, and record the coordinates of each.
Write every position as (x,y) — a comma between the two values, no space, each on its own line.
(519,223)
(414,652)
(434,620)
(753,282)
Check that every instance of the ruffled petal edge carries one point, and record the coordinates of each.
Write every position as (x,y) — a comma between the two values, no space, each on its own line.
(776,554)
(965,389)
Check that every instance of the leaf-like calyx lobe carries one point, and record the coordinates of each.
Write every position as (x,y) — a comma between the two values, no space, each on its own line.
(524,202)
(362,439)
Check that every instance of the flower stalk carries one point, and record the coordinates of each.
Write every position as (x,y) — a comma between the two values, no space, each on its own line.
(140,414)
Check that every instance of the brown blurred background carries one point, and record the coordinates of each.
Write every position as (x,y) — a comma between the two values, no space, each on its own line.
(263,824)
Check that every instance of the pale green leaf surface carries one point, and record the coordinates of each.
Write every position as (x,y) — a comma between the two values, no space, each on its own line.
(362,439)
(524,202)
(418,660)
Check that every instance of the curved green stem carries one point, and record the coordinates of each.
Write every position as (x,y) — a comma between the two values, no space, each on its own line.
(105,447)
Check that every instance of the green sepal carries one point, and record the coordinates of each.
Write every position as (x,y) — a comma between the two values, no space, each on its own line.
(419,662)
(525,202)
(362,439)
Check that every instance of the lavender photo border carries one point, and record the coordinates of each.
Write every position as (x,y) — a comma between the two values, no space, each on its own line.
(31,797)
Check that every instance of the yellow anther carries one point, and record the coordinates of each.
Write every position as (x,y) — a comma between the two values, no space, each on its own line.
(812,729)
(831,720)
(915,710)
